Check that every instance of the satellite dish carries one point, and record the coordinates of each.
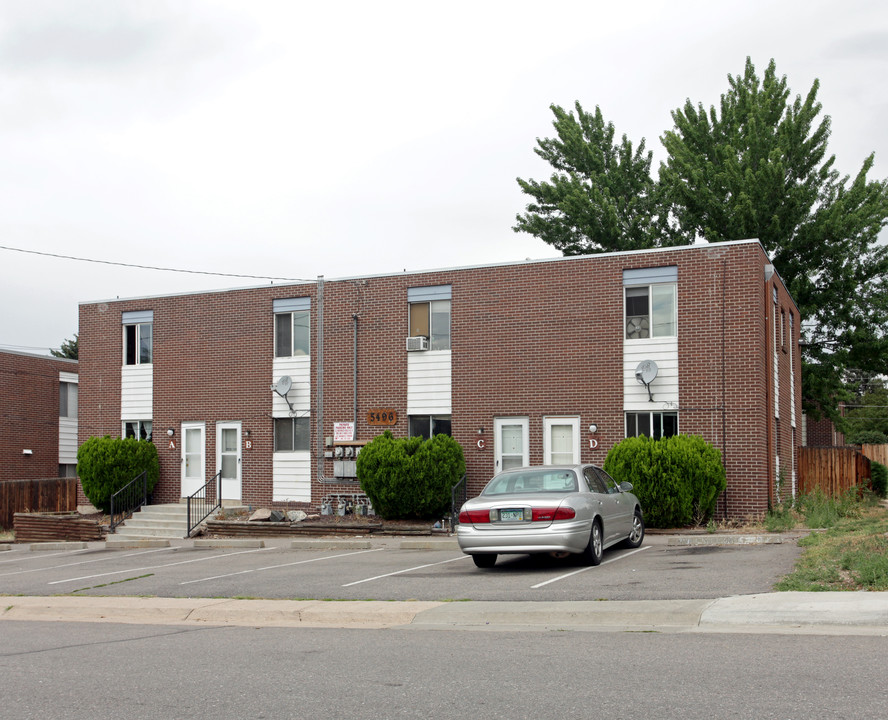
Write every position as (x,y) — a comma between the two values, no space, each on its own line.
(282,386)
(646,373)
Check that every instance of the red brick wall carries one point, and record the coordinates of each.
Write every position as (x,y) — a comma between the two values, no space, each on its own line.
(533,339)
(29,414)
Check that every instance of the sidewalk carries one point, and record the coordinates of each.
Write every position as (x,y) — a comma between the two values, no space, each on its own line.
(827,613)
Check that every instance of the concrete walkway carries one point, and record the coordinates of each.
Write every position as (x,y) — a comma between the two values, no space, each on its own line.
(826,613)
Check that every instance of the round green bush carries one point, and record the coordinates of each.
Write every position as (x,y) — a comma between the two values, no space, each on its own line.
(106,464)
(677,479)
(408,478)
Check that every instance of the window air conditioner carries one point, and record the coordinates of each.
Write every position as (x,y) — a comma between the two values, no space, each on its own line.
(419,342)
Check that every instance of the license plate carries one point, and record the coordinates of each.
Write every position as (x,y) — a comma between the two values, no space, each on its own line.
(511,515)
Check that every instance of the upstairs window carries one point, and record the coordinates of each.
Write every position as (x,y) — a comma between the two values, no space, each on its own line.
(138,337)
(292,327)
(650,303)
(429,315)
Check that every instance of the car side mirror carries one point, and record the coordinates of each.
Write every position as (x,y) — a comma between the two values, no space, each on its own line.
(625,486)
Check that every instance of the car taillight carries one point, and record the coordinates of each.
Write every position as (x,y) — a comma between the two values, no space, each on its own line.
(551,514)
(474,516)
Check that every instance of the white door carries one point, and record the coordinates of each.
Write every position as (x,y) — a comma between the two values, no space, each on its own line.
(193,457)
(511,443)
(561,441)
(228,458)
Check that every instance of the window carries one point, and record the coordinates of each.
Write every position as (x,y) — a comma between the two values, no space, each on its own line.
(67,401)
(427,426)
(137,343)
(431,320)
(139,429)
(68,470)
(429,315)
(654,425)
(650,312)
(292,327)
(650,302)
(291,334)
(291,434)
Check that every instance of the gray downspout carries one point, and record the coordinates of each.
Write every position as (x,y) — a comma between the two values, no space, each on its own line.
(320,379)
(355,375)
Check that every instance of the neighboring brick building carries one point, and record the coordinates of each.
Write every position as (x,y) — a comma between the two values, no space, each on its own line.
(38,416)
(526,362)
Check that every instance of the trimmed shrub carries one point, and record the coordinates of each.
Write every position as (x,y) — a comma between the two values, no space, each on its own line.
(879,478)
(408,478)
(677,479)
(106,464)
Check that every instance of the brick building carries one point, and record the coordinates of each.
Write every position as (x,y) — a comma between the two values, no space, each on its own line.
(523,363)
(38,416)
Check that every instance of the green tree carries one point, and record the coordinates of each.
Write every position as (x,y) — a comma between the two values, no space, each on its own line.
(755,167)
(601,196)
(69,349)
(867,417)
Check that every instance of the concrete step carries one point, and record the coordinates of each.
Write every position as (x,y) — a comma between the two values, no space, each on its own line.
(155,521)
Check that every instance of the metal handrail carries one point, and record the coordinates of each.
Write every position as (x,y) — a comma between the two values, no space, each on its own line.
(200,504)
(458,495)
(128,499)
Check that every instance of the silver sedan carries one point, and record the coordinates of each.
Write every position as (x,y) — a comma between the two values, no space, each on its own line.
(558,509)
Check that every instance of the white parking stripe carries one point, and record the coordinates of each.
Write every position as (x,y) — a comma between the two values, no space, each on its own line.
(153,567)
(82,562)
(588,567)
(399,572)
(273,567)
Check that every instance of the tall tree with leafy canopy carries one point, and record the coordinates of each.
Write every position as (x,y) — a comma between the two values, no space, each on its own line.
(601,196)
(757,167)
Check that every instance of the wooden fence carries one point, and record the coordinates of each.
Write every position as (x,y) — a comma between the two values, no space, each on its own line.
(878,453)
(50,495)
(832,470)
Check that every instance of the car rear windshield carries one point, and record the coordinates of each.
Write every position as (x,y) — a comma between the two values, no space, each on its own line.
(532,481)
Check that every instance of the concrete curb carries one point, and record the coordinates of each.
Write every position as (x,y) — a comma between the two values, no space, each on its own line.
(58,546)
(829,613)
(133,544)
(5,546)
(329,544)
(228,543)
(715,540)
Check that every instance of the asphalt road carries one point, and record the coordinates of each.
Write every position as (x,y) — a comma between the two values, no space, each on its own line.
(386,572)
(81,671)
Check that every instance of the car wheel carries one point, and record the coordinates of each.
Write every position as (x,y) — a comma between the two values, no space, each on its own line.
(485,561)
(636,534)
(595,549)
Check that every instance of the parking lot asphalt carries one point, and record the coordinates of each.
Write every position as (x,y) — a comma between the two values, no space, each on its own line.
(719,584)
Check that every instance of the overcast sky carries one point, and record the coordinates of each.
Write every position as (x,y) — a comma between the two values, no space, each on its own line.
(296,139)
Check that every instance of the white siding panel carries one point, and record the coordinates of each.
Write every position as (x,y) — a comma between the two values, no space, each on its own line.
(137,392)
(299,370)
(664,352)
(428,383)
(67,441)
(291,472)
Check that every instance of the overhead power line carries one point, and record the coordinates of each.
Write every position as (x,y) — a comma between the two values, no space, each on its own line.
(152,267)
